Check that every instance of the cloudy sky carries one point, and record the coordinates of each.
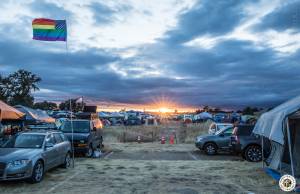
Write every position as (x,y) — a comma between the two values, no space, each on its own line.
(222,53)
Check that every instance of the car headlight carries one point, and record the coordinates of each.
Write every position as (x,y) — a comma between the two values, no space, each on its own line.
(199,139)
(18,163)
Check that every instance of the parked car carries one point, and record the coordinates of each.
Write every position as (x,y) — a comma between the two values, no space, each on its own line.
(247,144)
(29,155)
(215,127)
(87,135)
(213,143)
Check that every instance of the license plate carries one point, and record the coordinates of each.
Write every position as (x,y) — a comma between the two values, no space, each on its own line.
(81,145)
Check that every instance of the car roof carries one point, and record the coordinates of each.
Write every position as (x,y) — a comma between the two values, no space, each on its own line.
(40,131)
(223,123)
(74,120)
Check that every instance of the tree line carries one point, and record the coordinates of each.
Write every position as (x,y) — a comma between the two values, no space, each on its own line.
(17,89)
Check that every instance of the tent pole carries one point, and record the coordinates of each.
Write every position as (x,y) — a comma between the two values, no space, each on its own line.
(290,147)
(262,151)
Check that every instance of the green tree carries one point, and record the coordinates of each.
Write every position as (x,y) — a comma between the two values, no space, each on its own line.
(45,105)
(249,111)
(17,88)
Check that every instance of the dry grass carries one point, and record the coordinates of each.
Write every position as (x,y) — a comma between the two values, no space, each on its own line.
(151,176)
(184,133)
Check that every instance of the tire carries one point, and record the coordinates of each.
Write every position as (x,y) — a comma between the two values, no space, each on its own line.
(210,148)
(68,161)
(90,151)
(253,153)
(37,172)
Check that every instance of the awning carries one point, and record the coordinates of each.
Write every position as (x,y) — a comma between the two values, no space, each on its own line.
(9,113)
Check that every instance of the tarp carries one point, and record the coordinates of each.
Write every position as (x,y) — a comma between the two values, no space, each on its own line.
(271,124)
(35,115)
(8,112)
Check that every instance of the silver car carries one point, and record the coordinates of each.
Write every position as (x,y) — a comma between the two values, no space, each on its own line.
(30,154)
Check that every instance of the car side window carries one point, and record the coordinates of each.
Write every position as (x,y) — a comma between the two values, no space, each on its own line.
(228,132)
(245,130)
(50,139)
(58,138)
(63,137)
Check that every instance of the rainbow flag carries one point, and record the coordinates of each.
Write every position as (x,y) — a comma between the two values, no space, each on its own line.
(49,30)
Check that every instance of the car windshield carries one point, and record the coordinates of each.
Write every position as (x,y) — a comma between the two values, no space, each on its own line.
(26,141)
(78,127)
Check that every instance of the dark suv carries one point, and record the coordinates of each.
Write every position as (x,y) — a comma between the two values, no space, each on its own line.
(244,142)
(87,136)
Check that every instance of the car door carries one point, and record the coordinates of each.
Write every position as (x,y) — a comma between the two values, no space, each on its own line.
(224,138)
(51,153)
(60,148)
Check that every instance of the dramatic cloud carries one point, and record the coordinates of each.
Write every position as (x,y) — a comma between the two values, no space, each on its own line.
(219,53)
(286,16)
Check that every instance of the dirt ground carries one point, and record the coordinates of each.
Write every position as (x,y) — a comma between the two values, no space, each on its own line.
(152,168)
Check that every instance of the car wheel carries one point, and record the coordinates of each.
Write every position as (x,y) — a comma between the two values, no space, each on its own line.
(68,161)
(37,172)
(210,149)
(90,151)
(253,153)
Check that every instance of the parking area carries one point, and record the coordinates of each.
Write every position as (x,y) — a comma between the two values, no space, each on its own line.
(152,168)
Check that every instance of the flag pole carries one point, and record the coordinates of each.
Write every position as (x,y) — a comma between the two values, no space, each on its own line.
(71,119)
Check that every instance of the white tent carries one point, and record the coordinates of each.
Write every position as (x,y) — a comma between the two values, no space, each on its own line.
(203,115)
(271,124)
(281,125)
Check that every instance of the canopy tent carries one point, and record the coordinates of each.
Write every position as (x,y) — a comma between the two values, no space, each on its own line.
(103,115)
(9,113)
(35,115)
(203,115)
(282,126)
(117,115)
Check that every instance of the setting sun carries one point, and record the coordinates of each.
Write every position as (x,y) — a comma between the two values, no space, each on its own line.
(164,110)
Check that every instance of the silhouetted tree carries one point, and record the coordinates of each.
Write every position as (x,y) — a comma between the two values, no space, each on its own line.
(16,88)
(75,106)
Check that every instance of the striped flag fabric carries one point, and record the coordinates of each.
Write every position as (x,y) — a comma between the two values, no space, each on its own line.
(49,30)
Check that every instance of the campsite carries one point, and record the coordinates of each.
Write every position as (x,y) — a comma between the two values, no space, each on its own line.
(145,158)
(172,96)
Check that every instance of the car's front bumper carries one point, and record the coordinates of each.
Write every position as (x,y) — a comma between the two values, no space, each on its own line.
(199,144)
(16,173)
(80,149)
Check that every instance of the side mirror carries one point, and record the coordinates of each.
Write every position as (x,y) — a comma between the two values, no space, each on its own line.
(49,145)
